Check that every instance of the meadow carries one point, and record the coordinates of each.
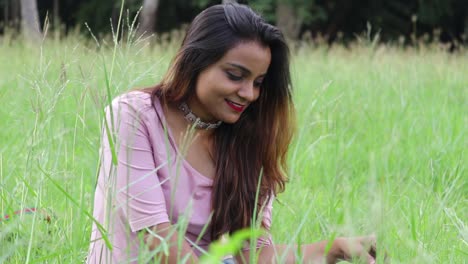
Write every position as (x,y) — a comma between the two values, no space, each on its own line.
(380,145)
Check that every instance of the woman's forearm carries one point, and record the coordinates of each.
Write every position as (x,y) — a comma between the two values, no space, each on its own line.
(341,248)
(310,253)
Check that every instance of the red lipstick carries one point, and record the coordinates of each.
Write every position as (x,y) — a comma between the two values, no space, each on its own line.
(236,107)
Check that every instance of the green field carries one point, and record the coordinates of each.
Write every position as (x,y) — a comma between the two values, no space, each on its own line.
(380,146)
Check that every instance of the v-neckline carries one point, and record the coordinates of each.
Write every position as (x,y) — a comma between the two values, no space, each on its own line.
(162,118)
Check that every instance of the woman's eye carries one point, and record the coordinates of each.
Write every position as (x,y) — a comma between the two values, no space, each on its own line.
(258,83)
(233,76)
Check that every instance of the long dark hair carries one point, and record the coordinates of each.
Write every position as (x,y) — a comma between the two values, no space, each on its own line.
(257,143)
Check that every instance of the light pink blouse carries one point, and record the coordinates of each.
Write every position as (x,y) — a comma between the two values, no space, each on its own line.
(151,184)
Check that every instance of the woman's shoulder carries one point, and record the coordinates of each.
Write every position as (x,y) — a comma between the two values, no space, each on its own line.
(136,101)
(135,105)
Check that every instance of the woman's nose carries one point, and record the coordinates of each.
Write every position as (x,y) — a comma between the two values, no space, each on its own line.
(248,92)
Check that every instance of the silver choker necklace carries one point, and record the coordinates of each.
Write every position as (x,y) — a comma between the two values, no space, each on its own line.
(193,119)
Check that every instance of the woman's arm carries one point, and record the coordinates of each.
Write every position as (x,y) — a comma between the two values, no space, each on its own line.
(153,240)
(133,182)
(341,249)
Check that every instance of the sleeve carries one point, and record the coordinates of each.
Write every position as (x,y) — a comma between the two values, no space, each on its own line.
(266,219)
(134,184)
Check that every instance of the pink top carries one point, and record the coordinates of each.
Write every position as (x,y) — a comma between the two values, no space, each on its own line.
(151,184)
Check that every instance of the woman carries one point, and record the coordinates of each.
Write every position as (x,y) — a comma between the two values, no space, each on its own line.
(195,149)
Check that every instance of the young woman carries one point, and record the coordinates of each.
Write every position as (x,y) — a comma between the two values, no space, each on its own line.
(197,147)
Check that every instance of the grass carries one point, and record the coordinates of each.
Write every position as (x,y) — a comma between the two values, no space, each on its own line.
(380,146)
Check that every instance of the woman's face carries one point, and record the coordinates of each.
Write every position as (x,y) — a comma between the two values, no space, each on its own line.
(225,89)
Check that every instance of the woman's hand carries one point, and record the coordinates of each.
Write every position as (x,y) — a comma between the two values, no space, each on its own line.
(351,248)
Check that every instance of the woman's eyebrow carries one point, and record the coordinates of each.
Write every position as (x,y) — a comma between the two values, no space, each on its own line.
(243,69)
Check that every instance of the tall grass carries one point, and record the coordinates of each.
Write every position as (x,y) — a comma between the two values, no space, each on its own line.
(380,146)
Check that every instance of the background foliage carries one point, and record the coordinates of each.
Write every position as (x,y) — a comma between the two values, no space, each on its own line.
(381,145)
(444,20)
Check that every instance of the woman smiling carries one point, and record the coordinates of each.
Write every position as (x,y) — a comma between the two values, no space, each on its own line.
(230,82)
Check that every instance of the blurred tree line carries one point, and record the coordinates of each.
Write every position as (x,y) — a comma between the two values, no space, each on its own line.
(435,20)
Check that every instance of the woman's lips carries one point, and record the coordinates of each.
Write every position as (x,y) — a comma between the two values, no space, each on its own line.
(235,106)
